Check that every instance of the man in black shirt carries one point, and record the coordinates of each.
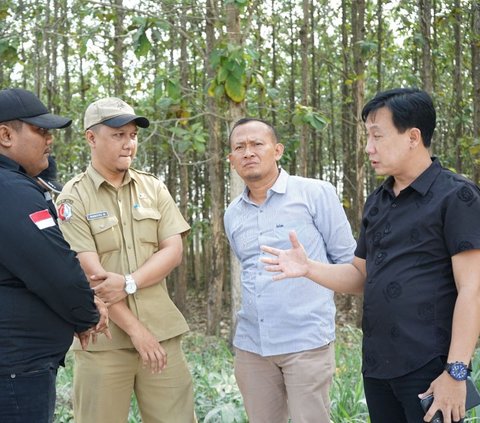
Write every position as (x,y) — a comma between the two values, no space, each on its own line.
(417,262)
(44,296)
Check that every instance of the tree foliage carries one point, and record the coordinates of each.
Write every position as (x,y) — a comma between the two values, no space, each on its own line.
(302,64)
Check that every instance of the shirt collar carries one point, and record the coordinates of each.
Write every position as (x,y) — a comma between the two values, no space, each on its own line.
(280,186)
(99,179)
(423,182)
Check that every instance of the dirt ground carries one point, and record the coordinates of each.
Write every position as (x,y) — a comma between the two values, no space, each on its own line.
(197,313)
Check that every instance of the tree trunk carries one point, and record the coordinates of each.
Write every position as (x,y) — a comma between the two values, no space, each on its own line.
(425,16)
(476,84)
(458,87)
(302,163)
(236,112)
(274,58)
(182,270)
(217,193)
(348,168)
(358,27)
(67,92)
(379,45)
(118,50)
(291,85)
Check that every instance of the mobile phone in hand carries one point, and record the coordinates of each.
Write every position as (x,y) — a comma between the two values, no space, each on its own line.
(426,403)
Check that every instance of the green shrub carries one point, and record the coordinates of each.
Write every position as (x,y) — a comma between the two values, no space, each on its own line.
(218,400)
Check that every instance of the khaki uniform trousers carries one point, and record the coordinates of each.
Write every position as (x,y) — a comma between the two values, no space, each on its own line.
(104,382)
(296,384)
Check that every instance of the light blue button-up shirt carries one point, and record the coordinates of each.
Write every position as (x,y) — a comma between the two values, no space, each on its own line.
(292,315)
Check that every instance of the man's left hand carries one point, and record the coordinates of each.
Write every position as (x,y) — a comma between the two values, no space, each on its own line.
(449,397)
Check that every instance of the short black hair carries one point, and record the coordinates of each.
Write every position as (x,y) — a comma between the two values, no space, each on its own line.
(410,107)
(245,120)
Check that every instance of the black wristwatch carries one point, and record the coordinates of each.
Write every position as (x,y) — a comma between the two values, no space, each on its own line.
(458,370)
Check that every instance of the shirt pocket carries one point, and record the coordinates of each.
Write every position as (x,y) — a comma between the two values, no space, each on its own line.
(146,225)
(304,229)
(106,234)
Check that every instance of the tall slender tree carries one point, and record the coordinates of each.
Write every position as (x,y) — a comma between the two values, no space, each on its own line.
(476,84)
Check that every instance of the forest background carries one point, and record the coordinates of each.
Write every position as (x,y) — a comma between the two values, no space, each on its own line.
(194,67)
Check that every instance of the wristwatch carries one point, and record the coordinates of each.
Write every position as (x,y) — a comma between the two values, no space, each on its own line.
(130,284)
(458,370)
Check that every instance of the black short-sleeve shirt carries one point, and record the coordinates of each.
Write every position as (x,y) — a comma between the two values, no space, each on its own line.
(408,241)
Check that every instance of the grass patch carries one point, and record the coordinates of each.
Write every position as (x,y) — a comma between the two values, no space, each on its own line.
(218,400)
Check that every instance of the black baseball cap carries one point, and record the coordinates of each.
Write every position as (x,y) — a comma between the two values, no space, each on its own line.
(20,104)
(48,177)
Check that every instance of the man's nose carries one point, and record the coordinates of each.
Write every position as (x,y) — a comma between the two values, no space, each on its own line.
(369,148)
(129,143)
(248,151)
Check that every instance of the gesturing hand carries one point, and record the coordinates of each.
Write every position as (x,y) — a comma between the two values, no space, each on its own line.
(292,263)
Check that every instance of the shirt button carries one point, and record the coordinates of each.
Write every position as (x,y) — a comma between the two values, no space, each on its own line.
(13,375)
(261,211)
(261,320)
(394,205)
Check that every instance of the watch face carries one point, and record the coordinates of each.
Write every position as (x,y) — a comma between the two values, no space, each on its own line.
(130,288)
(458,371)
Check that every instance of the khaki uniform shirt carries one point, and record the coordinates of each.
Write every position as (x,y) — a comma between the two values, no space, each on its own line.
(125,226)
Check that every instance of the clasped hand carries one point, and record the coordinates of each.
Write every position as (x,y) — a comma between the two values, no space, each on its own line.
(100,327)
(109,286)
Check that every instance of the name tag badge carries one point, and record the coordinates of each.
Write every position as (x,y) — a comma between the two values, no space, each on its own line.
(97,215)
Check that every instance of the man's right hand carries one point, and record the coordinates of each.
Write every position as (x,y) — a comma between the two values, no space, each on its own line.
(292,263)
(151,351)
(102,325)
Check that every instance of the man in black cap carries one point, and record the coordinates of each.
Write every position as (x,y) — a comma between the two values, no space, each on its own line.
(44,295)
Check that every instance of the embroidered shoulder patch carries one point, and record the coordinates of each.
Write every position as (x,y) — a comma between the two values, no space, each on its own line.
(64,212)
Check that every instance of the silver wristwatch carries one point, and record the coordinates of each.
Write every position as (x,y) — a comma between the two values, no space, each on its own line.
(130,284)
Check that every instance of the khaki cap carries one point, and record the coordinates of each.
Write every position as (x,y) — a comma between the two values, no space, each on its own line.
(113,112)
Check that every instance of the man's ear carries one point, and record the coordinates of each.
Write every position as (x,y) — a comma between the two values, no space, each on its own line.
(229,161)
(415,136)
(279,148)
(5,136)
(90,137)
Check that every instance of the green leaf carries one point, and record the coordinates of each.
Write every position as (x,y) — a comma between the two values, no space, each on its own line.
(222,74)
(234,89)
(273,93)
(173,89)
(142,46)
(219,91)
(8,50)
(164,102)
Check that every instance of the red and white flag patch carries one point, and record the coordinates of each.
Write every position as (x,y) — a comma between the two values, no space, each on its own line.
(43,219)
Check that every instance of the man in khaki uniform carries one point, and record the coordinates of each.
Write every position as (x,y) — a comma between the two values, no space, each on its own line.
(127,232)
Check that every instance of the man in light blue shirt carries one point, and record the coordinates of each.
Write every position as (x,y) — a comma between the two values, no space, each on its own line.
(284,359)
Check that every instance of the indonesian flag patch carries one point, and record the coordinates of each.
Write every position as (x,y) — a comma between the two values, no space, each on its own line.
(43,219)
